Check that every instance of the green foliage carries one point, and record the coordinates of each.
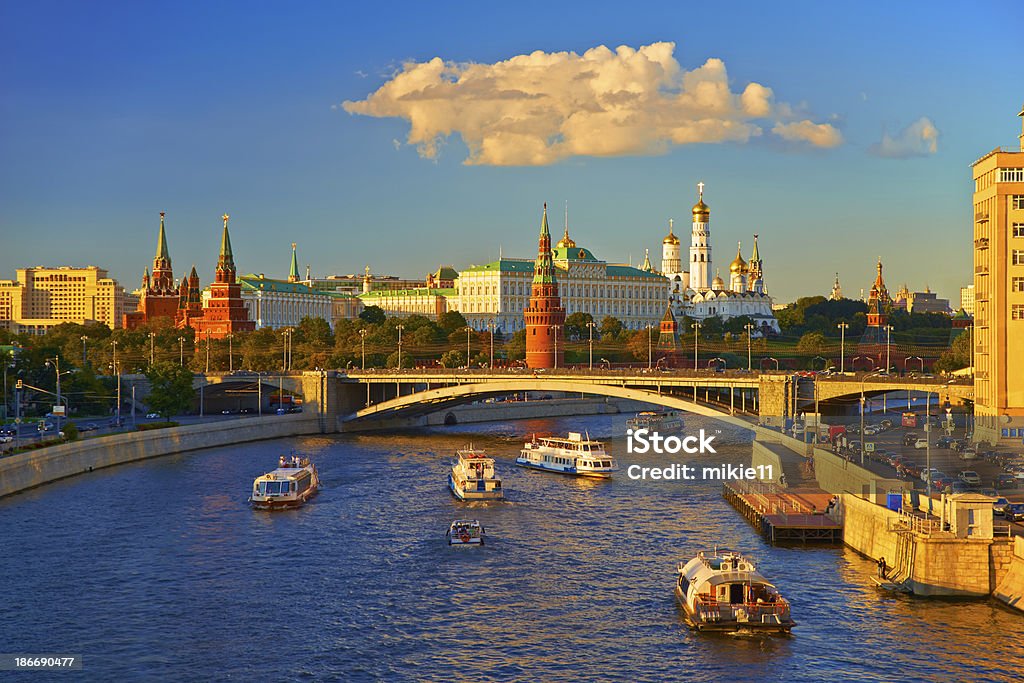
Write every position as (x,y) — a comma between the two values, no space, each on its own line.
(392,360)
(515,347)
(373,314)
(611,328)
(451,321)
(957,356)
(812,342)
(70,431)
(453,359)
(576,326)
(170,391)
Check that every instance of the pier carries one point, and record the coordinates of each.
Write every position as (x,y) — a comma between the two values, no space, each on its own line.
(785,515)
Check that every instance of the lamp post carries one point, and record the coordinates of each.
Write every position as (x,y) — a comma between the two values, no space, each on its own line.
(113,364)
(231,362)
(842,345)
(181,351)
(650,346)
(362,341)
(910,358)
(554,335)
(696,336)
(928,443)
(152,347)
(490,326)
(862,406)
(85,357)
(469,331)
(399,328)
(287,333)
(607,363)
(857,358)
(718,359)
(888,335)
(207,351)
(56,367)
(591,325)
(284,352)
(749,327)
(774,360)
(116,368)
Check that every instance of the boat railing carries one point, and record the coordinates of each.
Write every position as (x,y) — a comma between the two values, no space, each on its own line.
(710,609)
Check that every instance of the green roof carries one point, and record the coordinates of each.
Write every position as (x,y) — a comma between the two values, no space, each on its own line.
(630,271)
(420,291)
(256,283)
(505,266)
(573,254)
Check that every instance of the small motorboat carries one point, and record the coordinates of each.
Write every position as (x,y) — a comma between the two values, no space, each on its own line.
(472,476)
(289,486)
(465,532)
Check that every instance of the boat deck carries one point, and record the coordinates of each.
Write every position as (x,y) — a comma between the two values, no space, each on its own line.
(785,515)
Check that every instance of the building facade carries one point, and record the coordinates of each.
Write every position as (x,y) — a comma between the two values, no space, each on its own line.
(429,302)
(40,298)
(283,303)
(998,219)
(967,299)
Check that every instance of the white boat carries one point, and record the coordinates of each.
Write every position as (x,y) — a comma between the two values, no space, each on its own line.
(656,421)
(289,486)
(574,455)
(465,532)
(723,591)
(472,476)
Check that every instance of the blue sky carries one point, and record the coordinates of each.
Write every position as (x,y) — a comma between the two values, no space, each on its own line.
(113,112)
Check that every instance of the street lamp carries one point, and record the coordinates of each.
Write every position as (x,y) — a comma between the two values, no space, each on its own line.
(909,358)
(287,334)
(650,346)
(591,325)
(399,328)
(8,365)
(207,351)
(862,406)
(231,362)
(719,360)
(607,363)
(854,360)
(85,357)
(842,345)
(928,443)
(749,328)
(113,342)
(888,334)
(696,336)
(56,365)
(490,326)
(116,368)
(775,360)
(469,331)
(181,351)
(362,334)
(554,334)
(152,347)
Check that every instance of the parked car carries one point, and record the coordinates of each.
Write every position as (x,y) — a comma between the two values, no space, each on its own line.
(886,423)
(910,438)
(944,441)
(921,443)
(6,439)
(924,473)
(969,453)
(46,426)
(150,416)
(1006,481)
(1014,512)
(970,477)
(999,506)
(955,486)
(8,431)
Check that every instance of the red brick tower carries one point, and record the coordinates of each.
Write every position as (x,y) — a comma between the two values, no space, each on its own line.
(225,312)
(544,316)
(159,295)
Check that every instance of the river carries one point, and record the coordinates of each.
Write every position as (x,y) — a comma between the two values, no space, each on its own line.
(160,571)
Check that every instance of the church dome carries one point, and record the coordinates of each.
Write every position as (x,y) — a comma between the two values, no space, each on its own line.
(701,209)
(566,242)
(718,283)
(738,265)
(670,238)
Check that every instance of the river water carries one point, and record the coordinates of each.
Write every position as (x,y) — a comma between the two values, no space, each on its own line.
(160,571)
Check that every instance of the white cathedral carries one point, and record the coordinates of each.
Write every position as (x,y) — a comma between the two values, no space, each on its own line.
(696,294)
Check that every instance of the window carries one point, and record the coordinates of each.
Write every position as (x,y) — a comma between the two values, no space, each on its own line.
(1017,312)
(1018,257)
(1018,284)
(1018,201)
(1018,229)
(1011,175)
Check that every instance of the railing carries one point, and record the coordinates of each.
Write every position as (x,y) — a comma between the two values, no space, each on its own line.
(909,522)
(1002,530)
(709,609)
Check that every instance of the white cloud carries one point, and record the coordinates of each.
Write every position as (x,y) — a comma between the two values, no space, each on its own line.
(539,108)
(919,139)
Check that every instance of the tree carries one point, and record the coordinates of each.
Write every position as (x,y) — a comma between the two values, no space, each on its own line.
(576,326)
(812,342)
(392,360)
(957,356)
(611,327)
(170,389)
(515,348)
(373,315)
(453,359)
(451,321)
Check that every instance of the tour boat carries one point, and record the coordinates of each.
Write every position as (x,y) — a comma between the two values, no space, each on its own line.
(472,476)
(656,421)
(723,591)
(465,532)
(575,455)
(289,486)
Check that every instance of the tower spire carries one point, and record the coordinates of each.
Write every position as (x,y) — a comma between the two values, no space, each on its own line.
(293,273)
(161,243)
(226,260)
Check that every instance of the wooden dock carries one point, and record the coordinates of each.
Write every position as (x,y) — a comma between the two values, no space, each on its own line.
(785,515)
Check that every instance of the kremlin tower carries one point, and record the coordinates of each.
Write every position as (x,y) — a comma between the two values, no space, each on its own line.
(544,317)
(700,244)
(159,298)
(225,312)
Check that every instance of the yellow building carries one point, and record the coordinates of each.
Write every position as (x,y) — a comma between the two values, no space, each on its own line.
(41,298)
(999,295)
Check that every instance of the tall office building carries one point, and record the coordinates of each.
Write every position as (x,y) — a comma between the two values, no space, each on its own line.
(41,298)
(999,294)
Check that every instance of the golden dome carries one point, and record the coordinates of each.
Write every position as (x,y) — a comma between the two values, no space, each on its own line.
(718,282)
(738,265)
(670,238)
(566,242)
(701,209)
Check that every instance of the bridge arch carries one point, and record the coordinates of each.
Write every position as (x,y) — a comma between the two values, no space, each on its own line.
(436,400)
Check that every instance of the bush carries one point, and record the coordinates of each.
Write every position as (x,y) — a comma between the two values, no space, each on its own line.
(156,425)
(70,432)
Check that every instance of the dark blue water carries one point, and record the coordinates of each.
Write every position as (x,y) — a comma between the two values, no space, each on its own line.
(160,571)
